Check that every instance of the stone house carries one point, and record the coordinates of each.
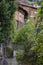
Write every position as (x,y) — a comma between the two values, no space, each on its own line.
(22,13)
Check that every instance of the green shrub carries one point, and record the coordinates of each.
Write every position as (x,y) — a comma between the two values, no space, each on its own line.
(19,54)
(8,51)
(0,54)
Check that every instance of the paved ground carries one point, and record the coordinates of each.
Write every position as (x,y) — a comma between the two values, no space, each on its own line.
(12,61)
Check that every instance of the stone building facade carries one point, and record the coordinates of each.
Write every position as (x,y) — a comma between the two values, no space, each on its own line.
(22,13)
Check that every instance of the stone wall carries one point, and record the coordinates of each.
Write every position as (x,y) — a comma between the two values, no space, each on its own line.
(19,16)
(30,10)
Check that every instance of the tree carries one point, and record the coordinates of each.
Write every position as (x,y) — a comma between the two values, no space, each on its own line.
(33,37)
(7,22)
(34,55)
(21,37)
(7,8)
(39,13)
(25,37)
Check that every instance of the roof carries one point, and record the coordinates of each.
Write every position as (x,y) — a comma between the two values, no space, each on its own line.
(23,4)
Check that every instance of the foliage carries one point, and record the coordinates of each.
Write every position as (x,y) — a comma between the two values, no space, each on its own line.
(33,49)
(0,54)
(13,29)
(7,8)
(39,15)
(34,52)
(32,37)
(21,37)
(8,49)
(38,48)
(9,52)
(19,55)
(25,36)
